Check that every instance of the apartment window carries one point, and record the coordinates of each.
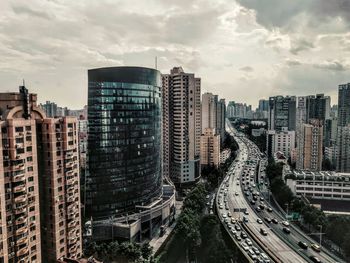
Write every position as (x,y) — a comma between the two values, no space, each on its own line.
(30,169)
(28,128)
(31,209)
(29,159)
(19,129)
(30,179)
(29,148)
(20,140)
(31,189)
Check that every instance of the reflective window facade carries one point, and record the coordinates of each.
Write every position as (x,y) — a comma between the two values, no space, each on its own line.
(124,139)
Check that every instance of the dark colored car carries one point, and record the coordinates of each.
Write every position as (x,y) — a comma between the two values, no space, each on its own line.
(274,220)
(286,230)
(263,232)
(303,245)
(268,220)
(315,259)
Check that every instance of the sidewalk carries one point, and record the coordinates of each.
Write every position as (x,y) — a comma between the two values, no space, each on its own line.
(158,241)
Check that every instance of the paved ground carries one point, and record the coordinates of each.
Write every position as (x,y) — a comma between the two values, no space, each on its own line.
(158,241)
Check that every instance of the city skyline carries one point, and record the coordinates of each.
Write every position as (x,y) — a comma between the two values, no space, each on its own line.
(236,46)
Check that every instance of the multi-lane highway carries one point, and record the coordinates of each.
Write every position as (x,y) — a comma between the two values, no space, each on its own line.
(240,200)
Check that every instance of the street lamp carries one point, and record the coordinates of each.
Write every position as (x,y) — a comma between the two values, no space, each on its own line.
(320,226)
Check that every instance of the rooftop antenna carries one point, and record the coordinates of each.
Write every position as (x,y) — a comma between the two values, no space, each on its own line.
(23,83)
(156,62)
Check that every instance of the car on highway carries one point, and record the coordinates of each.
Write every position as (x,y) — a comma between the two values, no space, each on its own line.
(269,209)
(221,207)
(315,259)
(262,199)
(229,214)
(237,237)
(243,235)
(233,220)
(274,220)
(265,258)
(252,254)
(244,246)
(259,221)
(256,250)
(248,242)
(268,220)
(245,219)
(315,247)
(224,216)
(258,209)
(252,202)
(286,230)
(285,223)
(246,212)
(263,232)
(237,227)
(302,244)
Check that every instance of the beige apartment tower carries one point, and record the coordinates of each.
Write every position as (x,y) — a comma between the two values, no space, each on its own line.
(28,201)
(310,146)
(210,148)
(181,126)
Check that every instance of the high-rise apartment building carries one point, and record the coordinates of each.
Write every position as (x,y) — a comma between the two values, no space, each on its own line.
(282,113)
(210,148)
(343,134)
(221,118)
(82,134)
(37,224)
(230,110)
(263,105)
(209,111)
(343,149)
(57,140)
(310,146)
(344,105)
(213,114)
(280,141)
(181,126)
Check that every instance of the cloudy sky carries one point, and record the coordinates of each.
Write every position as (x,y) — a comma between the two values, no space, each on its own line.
(243,50)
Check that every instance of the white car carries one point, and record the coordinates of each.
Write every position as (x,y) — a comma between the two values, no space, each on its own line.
(248,242)
(259,221)
(285,223)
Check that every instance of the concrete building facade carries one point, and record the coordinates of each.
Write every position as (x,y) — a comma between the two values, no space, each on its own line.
(181,126)
(34,197)
(280,141)
(282,113)
(210,148)
(310,146)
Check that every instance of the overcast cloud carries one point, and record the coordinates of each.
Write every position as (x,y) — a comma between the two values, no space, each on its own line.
(243,50)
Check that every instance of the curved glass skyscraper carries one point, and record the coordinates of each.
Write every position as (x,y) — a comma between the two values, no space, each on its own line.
(124,139)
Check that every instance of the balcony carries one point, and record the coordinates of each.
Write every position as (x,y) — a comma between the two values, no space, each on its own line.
(20,199)
(22,241)
(19,178)
(20,220)
(20,188)
(21,230)
(72,240)
(20,210)
(72,249)
(22,251)
(72,224)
